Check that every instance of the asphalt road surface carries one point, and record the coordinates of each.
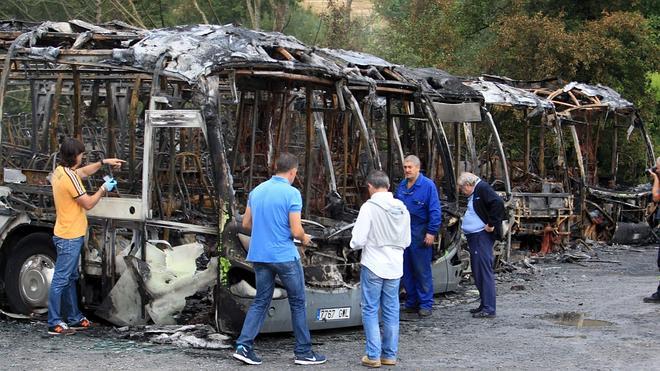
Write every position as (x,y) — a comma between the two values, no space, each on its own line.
(561,316)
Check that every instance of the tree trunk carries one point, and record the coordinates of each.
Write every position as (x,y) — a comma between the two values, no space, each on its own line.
(254,11)
(280,12)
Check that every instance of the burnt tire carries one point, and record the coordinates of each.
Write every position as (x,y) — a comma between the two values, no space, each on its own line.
(29,272)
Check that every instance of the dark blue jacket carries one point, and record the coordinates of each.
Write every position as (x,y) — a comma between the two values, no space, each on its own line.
(423,205)
(489,206)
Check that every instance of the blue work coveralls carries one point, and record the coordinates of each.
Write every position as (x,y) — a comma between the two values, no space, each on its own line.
(425,217)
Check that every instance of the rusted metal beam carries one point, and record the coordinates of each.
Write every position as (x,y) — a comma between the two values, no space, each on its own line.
(20,40)
(390,135)
(132,122)
(253,137)
(528,145)
(471,147)
(457,148)
(110,127)
(309,152)
(55,116)
(346,138)
(542,150)
(614,166)
(34,124)
(77,131)
(286,76)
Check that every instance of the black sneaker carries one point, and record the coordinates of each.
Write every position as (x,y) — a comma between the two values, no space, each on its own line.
(60,329)
(483,314)
(476,310)
(410,310)
(424,312)
(247,356)
(655,298)
(310,359)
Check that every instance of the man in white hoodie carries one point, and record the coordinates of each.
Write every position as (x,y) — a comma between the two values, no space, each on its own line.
(382,231)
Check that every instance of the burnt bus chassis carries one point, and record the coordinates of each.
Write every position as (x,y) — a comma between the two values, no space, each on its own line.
(93,70)
(333,91)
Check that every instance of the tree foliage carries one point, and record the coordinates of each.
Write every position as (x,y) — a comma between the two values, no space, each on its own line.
(613,42)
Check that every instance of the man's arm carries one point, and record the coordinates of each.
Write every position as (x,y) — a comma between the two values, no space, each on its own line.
(494,208)
(361,228)
(247,219)
(87,202)
(656,187)
(297,231)
(90,169)
(435,216)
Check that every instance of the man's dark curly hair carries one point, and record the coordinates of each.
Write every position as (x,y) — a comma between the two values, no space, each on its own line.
(69,150)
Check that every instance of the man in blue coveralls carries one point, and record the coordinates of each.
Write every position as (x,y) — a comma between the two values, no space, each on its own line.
(482,225)
(420,196)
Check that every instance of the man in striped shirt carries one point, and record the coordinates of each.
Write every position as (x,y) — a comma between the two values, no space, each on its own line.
(71,201)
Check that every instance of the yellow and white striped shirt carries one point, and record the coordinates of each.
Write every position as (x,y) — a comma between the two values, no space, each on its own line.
(71,220)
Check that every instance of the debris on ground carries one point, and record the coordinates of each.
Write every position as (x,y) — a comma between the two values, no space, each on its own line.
(188,336)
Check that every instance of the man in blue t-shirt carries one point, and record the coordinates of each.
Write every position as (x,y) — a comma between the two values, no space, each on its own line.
(273,215)
(420,196)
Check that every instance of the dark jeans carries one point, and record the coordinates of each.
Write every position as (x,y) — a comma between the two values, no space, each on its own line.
(482,259)
(291,275)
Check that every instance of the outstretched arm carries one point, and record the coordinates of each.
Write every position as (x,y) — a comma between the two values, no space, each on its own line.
(90,169)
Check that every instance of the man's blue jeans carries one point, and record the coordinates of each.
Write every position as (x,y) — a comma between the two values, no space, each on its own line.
(291,275)
(378,292)
(62,297)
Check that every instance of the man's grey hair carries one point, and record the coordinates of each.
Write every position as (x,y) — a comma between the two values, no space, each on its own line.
(657,160)
(378,179)
(467,179)
(413,160)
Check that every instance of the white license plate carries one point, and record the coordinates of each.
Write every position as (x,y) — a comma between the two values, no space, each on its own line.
(330,314)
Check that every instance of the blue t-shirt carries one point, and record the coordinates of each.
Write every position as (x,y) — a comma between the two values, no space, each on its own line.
(270,204)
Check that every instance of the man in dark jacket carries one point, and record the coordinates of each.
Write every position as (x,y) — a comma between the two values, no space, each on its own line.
(482,225)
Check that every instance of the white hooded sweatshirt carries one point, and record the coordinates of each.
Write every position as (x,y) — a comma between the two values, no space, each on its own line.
(382,231)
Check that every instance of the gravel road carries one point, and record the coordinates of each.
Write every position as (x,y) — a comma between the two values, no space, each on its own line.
(562,316)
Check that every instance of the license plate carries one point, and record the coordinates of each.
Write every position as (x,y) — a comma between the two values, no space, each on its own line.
(331,314)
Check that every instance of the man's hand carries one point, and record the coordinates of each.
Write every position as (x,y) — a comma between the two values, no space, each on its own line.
(109,185)
(489,228)
(307,240)
(429,239)
(114,162)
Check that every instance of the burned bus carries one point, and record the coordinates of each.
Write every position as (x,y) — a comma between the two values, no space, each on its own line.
(541,194)
(199,113)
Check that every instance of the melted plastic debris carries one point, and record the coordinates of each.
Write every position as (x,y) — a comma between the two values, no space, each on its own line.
(189,336)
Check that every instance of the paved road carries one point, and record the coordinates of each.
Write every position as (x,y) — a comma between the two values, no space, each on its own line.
(524,335)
